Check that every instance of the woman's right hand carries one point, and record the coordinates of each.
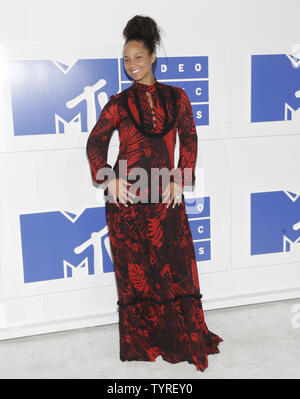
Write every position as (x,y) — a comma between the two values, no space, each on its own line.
(118,189)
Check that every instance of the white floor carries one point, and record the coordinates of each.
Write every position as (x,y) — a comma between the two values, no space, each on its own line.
(259,342)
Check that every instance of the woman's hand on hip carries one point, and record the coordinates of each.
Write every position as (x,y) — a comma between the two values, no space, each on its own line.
(118,188)
(172,192)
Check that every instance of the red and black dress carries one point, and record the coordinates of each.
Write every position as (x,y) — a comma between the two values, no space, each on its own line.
(160,308)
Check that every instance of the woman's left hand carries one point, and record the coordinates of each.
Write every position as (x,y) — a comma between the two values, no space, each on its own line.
(172,192)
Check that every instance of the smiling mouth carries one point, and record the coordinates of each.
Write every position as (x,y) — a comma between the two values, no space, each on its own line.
(135,71)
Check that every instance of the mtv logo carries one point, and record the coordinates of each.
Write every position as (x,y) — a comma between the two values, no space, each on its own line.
(275,222)
(275,88)
(58,245)
(49,97)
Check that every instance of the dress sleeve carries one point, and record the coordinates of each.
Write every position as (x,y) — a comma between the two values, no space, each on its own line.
(188,143)
(99,138)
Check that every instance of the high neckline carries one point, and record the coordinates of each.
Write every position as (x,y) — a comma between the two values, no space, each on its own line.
(145,87)
(160,95)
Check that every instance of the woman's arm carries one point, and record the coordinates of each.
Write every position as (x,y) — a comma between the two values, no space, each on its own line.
(188,143)
(98,141)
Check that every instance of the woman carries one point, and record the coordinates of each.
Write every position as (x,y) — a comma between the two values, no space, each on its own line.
(160,309)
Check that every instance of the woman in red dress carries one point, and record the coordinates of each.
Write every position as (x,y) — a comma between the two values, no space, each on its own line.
(160,308)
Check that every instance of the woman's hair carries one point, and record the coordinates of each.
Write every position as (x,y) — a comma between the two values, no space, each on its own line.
(144,29)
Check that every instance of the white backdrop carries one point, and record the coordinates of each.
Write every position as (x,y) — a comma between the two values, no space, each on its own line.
(247,171)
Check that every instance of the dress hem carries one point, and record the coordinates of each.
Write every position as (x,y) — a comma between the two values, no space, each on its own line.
(212,351)
(191,342)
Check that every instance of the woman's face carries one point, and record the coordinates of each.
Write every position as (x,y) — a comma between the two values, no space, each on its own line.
(137,61)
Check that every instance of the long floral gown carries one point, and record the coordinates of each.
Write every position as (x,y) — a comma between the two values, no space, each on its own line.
(160,308)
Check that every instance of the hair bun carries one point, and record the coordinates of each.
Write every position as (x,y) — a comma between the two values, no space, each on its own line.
(142,28)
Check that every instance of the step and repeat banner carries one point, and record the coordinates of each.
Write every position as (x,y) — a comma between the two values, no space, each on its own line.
(244,211)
